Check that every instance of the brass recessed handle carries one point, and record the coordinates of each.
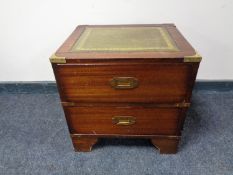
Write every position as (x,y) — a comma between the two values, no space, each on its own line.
(124,82)
(123,120)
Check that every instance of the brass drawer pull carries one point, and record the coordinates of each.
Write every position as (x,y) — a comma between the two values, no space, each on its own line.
(123,120)
(124,82)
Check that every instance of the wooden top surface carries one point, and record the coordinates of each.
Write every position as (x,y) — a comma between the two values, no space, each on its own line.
(125,41)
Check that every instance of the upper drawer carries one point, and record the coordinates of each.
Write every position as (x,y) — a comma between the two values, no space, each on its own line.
(160,83)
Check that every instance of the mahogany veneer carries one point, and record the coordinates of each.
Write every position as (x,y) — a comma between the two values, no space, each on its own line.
(126,81)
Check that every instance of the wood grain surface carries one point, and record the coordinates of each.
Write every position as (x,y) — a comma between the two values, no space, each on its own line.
(155,107)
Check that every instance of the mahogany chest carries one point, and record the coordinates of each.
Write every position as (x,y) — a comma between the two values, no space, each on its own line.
(125,81)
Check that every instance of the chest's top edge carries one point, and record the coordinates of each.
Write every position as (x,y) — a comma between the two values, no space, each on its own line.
(179,46)
(129,25)
(62,58)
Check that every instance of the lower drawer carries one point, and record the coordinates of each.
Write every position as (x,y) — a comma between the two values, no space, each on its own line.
(123,120)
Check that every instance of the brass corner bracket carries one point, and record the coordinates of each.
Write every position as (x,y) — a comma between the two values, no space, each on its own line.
(183,105)
(56,59)
(193,58)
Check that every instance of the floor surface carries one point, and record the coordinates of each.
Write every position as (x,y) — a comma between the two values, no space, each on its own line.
(34,139)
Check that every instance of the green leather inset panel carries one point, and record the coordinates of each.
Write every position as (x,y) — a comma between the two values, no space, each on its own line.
(124,39)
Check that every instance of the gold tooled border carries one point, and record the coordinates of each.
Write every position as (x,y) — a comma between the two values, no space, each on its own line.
(78,46)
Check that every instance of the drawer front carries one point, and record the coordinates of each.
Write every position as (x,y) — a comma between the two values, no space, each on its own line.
(123,120)
(160,83)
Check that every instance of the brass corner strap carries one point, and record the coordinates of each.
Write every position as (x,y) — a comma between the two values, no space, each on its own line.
(56,59)
(68,104)
(183,105)
(193,58)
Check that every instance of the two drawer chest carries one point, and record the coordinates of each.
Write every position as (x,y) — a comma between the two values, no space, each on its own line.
(125,81)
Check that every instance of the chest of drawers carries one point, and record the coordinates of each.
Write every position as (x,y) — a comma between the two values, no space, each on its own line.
(125,81)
